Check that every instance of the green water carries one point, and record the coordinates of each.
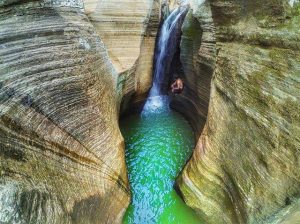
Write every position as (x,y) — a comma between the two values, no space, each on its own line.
(157,147)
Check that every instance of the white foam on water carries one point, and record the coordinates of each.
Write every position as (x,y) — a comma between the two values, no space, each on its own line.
(156,103)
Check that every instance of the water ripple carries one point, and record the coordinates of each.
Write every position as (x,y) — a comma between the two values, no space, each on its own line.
(157,147)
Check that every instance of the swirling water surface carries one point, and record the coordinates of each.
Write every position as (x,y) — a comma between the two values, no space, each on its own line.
(158,144)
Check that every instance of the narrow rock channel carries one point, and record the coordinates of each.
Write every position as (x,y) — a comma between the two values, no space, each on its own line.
(159,142)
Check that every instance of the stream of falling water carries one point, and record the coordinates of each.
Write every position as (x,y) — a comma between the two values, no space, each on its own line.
(161,64)
(165,51)
(158,143)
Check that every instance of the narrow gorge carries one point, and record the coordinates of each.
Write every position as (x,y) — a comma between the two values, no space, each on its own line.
(158,140)
(150,111)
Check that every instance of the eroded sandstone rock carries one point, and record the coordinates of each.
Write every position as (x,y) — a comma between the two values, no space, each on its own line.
(61,157)
(128,30)
(246,164)
(61,151)
(121,25)
(198,50)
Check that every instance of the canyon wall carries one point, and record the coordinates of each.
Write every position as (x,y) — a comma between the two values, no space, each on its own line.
(121,25)
(66,65)
(198,49)
(62,154)
(246,167)
(128,30)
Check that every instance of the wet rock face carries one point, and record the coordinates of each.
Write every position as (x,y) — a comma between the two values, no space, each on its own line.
(246,167)
(61,152)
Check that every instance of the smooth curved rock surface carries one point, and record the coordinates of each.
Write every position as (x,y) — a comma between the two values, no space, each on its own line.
(62,155)
(144,65)
(121,26)
(128,30)
(246,165)
(197,55)
(61,151)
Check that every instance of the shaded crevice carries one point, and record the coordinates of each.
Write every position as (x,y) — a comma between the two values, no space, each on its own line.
(193,65)
(197,57)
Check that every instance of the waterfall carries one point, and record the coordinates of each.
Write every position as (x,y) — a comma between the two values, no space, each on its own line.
(165,50)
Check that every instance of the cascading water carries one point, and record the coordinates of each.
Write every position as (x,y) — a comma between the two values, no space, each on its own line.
(165,51)
(158,143)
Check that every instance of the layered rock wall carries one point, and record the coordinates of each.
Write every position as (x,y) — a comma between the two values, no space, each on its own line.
(128,30)
(246,166)
(63,75)
(121,25)
(61,151)
(197,55)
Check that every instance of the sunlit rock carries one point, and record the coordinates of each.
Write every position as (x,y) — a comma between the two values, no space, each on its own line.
(245,167)
(65,67)
(61,151)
